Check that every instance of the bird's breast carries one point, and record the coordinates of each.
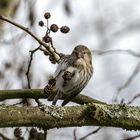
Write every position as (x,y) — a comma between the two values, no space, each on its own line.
(65,85)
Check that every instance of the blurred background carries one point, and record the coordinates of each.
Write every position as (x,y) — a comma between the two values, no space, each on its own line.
(110,28)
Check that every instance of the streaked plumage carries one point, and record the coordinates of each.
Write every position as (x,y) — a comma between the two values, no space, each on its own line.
(73,73)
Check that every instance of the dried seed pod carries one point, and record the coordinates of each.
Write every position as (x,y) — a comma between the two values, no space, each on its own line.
(17,132)
(46,53)
(46,39)
(54,28)
(47,15)
(33,133)
(40,136)
(41,23)
(64,29)
(52,60)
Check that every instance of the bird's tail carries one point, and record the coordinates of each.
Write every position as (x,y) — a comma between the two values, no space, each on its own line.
(69,98)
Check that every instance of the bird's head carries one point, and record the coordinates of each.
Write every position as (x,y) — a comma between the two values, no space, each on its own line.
(82,54)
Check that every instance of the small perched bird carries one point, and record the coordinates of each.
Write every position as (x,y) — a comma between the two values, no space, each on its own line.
(73,73)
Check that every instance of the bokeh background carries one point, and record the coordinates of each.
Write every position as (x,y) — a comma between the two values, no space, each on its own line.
(110,28)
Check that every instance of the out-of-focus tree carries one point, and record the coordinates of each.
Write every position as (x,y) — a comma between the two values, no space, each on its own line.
(8,8)
(109,28)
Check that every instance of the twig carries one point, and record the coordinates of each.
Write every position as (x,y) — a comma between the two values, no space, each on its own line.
(106,52)
(135,72)
(91,133)
(129,80)
(49,48)
(45,134)
(4,137)
(74,134)
(18,103)
(28,70)
(134,98)
(132,138)
(29,65)
(38,93)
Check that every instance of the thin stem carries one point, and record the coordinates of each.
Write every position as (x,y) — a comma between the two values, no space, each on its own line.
(117,51)
(29,66)
(134,98)
(91,133)
(132,138)
(50,49)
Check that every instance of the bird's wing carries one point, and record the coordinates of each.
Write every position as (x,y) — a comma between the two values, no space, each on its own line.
(61,66)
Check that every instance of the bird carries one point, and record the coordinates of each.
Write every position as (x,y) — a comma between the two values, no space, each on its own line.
(72,73)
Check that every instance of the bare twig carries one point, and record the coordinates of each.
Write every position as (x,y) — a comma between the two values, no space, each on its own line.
(48,47)
(74,134)
(21,102)
(132,76)
(29,65)
(106,52)
(134,98)
(4,137)
(129,80)
(28,70)
(91,133)
(45,134)
(132,138)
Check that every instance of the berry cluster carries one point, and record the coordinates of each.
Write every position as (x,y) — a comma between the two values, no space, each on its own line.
(33,134)
(52,28)
(18,133)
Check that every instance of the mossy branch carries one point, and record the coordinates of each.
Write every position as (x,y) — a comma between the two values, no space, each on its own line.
(126,117)
(91,112)
(94,113)
(39,94)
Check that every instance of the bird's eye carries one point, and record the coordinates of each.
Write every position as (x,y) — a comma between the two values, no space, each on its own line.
(84,52)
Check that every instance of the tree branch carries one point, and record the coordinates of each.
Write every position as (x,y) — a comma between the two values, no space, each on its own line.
(129,80)
(50,49)
(117,51)
(115,115)
(91,133)
(4,137)
(39,94)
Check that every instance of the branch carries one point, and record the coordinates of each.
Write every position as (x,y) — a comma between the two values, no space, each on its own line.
(29,65)
(50,49)
(132,138)
(4,137)
(129,80)
(74,134)
(115,115)
(118,51)
(91,133)
(134,98)
(39,94)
